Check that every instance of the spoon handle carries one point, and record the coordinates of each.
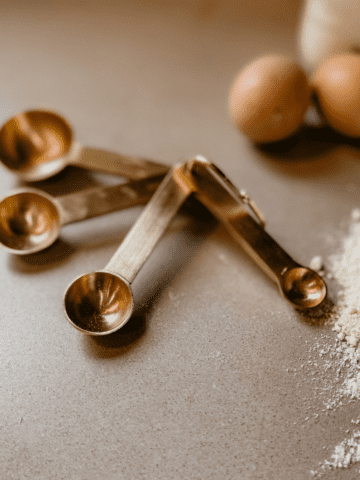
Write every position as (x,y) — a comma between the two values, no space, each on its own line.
(145,233)
(224,201)
(93,202)
(133,168)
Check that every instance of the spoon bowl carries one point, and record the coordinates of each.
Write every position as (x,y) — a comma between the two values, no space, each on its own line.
(29,221)
(99,303)
(33,144)
(303,287)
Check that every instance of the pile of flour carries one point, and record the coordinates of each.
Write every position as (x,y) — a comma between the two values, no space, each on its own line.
(346,270)
(337,369)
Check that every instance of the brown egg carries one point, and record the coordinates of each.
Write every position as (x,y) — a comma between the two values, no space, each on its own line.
(268,98)
(337,86)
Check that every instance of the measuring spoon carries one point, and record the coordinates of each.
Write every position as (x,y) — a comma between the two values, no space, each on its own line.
(303,287)
(37,144)
(100,303)
(30,219)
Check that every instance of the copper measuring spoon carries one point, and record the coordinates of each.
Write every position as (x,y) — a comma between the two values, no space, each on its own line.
(30,219)
(101,302)
(37,144)
(303,287)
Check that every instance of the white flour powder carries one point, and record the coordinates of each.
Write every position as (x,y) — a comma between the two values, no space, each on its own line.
(335,369)
(346,270)
(346,454)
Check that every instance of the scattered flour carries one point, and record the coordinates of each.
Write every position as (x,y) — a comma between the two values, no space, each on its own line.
(334,369)
(316,263)
(346,270)
(346,454)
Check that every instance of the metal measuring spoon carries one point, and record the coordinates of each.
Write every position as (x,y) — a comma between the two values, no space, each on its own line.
(30,219)
(303,287)
(37,144)
(100,303)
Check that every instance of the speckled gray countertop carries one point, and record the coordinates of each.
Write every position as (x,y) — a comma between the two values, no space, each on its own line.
(200,384)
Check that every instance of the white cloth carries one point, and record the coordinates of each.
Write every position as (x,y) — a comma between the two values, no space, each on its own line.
(328,27)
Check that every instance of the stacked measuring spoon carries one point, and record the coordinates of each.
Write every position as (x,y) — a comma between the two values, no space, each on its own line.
(38,144)
(101,302)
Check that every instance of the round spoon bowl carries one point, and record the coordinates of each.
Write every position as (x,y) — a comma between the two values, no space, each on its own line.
(33,143)
(29,221)
(98,303)
(303,287)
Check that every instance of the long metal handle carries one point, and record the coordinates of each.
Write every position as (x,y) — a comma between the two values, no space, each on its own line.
(221,200)
(97,201)
(134,168)
(142,238)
